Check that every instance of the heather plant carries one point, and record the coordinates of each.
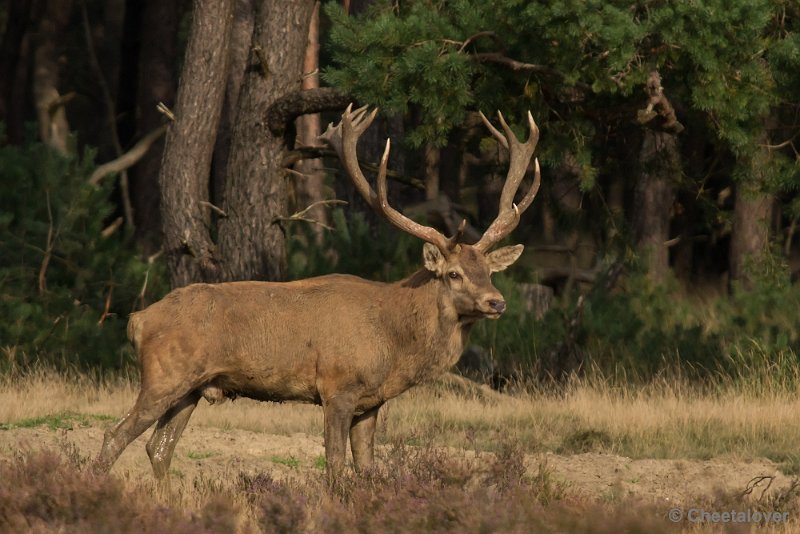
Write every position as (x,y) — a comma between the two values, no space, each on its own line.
(41,492)
(280,507)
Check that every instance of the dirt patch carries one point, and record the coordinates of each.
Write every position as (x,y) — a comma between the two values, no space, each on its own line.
(213,453)
(608,476)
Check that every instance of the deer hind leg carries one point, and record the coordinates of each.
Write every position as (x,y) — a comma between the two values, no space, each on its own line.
(338,414)
(362,439)
(150,405)
(168,431)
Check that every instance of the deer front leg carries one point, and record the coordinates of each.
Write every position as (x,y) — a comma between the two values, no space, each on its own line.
(338,414)
(362,439)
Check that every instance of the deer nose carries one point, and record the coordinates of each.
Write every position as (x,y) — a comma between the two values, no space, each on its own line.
(497,305)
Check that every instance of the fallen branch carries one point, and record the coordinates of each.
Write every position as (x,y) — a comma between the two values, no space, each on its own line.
(756,482)
(129,158)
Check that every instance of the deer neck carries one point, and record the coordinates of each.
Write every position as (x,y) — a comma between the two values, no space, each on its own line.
(438,334)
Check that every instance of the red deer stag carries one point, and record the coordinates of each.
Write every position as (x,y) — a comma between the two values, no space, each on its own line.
(346,343)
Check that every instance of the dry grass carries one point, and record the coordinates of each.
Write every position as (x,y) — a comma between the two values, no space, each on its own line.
(419,488)
(654,422)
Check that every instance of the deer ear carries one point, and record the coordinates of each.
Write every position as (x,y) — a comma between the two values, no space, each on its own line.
(434,259)
(501,258)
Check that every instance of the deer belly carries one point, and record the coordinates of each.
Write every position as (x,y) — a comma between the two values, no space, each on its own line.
(276,388)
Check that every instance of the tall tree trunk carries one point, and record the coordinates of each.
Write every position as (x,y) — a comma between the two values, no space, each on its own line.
(185,167)
(238,51)
(18,16)
(659,161)
(156,83)
(52,119)
(659,171)
(251,241)
(310,187)
(752,213)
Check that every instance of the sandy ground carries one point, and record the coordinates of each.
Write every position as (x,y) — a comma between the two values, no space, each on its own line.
(213,453)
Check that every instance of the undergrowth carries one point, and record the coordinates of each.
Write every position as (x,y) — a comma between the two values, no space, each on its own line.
(413,490)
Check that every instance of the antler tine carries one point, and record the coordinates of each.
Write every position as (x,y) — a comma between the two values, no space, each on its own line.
(343,137)
(453,241)
(426,233)
(495,132)
(520,155)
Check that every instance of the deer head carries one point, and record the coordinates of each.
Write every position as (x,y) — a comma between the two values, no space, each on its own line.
(464,270)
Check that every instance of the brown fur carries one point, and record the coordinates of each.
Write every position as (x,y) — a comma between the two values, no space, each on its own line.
(346,343)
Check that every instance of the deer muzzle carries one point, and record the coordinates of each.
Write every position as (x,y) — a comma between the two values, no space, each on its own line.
(492,306)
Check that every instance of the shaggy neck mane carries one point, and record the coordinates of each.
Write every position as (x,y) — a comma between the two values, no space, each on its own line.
(418,279)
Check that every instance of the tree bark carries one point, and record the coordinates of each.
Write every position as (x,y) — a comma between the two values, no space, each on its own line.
(659,170)
(238,51)
(310,187)
(252,244)
(52,119)
(659,161)
(185,167)
(18,16)
(752,213)
(156,83)
(432,157)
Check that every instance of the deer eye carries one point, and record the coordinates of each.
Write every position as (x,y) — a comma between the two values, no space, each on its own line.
(453,275)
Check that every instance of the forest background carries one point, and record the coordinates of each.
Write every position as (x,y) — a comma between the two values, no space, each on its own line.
(149,144)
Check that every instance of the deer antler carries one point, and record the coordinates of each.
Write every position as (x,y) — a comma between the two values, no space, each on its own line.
(343,138)
(520,155)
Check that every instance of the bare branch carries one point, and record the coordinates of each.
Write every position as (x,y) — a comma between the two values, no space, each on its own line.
(493,36)
(111,113)
(219,211)
(59,102)
(109,230)
(262,61)
(513,64)
(286,109)
(48,251)
(128,159)
(164,110)
(300,215)
(107,306)
(658,105)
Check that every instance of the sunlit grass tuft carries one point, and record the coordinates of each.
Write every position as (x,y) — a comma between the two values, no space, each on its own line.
(663,419)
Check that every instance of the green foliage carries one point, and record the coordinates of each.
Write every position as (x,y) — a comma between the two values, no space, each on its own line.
(581,66)
(58,421)
(57,271)
(354,247)
(638,332)
(385,55)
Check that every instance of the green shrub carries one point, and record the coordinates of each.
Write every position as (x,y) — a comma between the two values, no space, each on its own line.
(376,252)
(65,289)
